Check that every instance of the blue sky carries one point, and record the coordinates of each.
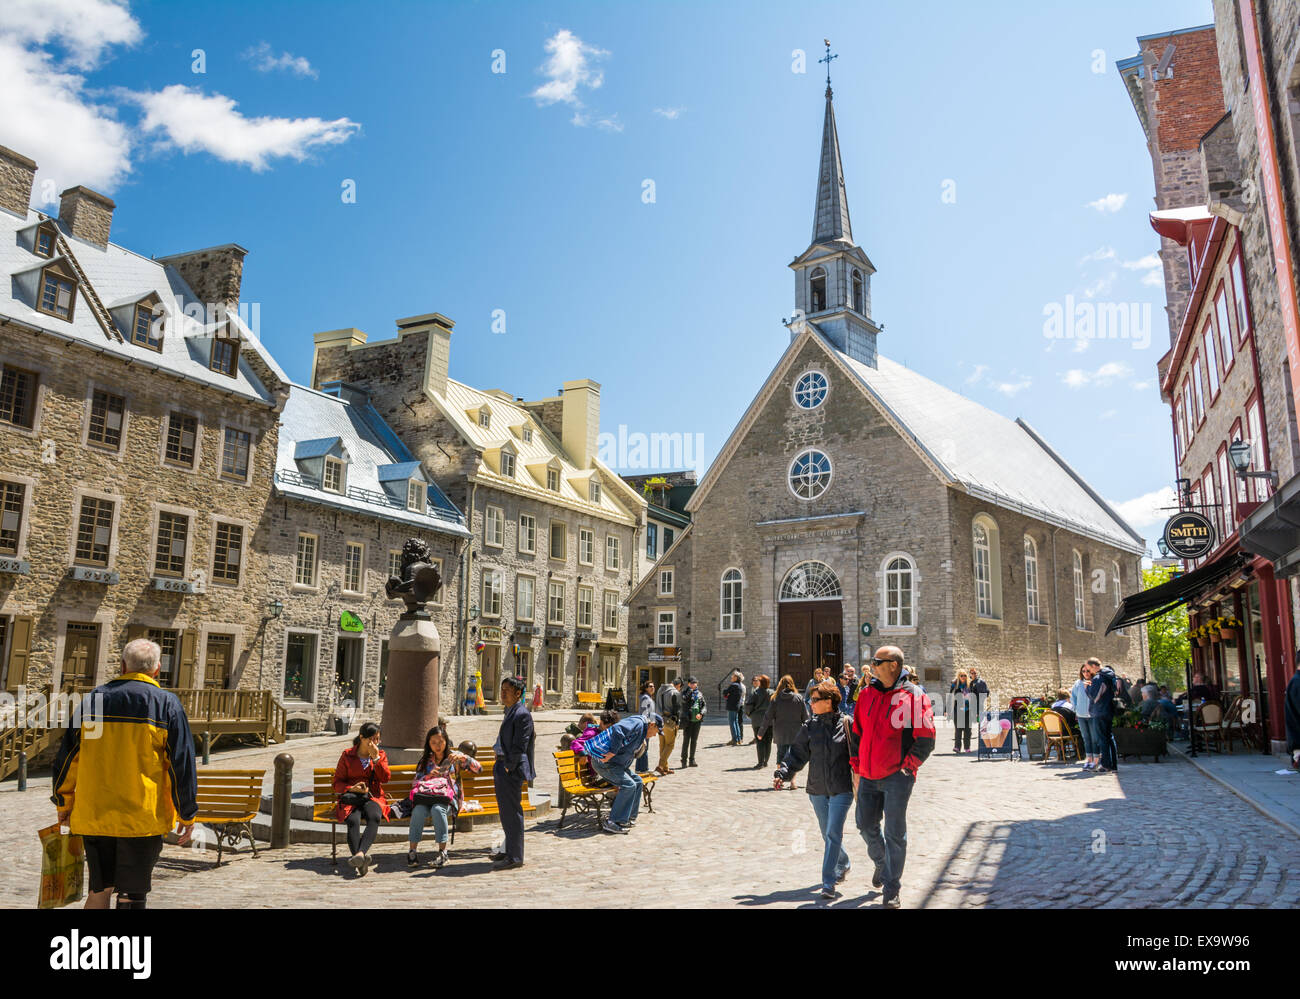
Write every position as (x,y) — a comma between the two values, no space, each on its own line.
(522,190)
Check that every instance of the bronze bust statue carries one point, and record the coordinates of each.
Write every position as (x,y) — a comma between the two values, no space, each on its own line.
(419,581)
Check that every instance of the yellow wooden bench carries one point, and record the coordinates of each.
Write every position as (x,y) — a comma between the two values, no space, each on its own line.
(474,787)
(228,801)
(582,792)
(590,698)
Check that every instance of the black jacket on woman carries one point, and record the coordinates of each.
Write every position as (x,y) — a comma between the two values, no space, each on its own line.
(785,716)
(962,710)
(825,744)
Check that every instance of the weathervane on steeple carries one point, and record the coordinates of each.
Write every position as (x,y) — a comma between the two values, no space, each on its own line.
(827,61)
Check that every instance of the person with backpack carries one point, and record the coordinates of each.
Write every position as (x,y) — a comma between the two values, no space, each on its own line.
(785,717)
(692,717)
(669,703)
(436,793)
(733,696)
(612,752)
(359,781)
(826,744)
(894,723)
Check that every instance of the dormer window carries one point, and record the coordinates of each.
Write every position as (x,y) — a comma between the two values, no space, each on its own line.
(507,464)
(593,491)
(225,356)
(332,480)
(58,294)
(415,492)
(142,328)
(45,236)
(553,479)
(484,419)
(528,435)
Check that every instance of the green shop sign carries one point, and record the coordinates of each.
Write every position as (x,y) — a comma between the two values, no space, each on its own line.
(350,622)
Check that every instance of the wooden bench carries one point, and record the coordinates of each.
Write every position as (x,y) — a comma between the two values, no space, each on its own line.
(583,793)
(589,698)
(228,801)
(474,787)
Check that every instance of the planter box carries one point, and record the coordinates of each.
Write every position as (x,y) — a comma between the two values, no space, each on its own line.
(1227,634)
(1202,642)
(1036,742)
(1139,743)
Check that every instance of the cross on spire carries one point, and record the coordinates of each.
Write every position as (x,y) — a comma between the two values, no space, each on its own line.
(827,60)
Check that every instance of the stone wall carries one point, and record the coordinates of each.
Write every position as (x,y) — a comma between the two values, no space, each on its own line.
(57,467)
(646,602)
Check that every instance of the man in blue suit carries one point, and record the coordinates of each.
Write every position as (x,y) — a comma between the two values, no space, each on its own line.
(514,765)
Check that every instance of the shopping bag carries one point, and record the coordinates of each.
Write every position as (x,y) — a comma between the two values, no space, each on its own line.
(63,868)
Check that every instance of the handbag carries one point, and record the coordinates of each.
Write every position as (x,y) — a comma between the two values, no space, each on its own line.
(354,799)
(434,789)
(63,864)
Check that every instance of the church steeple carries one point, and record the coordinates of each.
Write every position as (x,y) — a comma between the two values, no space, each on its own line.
(832,287)
(831,217)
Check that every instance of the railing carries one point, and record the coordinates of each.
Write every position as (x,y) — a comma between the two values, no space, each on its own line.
(369,496)
(28,739)
(234,712)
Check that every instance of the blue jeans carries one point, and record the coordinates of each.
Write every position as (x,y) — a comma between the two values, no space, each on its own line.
(1105,741)
(419,813)
(886,798)
(1089,733)
(737,727)
(832,810)
(781,750)
(627,803)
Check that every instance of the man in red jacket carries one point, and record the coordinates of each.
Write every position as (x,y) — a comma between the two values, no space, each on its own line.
(894,722)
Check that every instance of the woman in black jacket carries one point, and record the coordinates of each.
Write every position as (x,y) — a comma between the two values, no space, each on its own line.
(785,716)
(961,699)
(760,703)
(825,744)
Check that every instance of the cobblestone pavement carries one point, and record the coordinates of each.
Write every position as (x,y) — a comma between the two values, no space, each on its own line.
(981,834)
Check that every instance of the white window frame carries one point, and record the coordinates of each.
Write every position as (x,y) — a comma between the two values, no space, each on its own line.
(315,561)
(553,480)
(494,527)
(555,659)
(1033,606)
(797,387)
(1080,605)
(586,546)
(564,540)
(527,531)
(416,495)
(669,618)
(588,620)
(360,589)
(613,553)
(891,617)
(988,570)
(508,464)
(491,593)
(553,588)
(731,601)
(526,612)
(825,484)
(609,616)
(666,576)
(593,491)
(330,463)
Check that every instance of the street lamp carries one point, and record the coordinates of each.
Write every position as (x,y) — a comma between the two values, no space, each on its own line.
(1164,548)
(1239,453)
(275,608)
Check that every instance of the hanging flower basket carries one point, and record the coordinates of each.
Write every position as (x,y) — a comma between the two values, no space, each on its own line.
(1227,634)
(1214,637)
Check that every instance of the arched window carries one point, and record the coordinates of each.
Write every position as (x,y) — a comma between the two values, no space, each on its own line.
(1080,616)
(810,390)
(817,287)
(988,568)
(810,474)
(733,585)
(1031,581)
(811,581)
(899,591)
(857,292)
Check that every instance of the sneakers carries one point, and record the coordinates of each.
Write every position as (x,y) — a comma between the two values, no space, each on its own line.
(877,878)
(440,859)
(411,859)
(693,764)
(892,902)
(1090,766)
(843,874)
(359,863)
(828,892)
(625,826)
(610,826)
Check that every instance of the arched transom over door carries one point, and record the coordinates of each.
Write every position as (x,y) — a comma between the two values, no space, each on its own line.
(810,621)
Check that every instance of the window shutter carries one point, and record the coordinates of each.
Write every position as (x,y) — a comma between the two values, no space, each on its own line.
(189,646)
(20,651)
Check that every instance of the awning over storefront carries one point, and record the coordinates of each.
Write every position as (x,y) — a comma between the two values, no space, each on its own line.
(1273,529)
(1147,604)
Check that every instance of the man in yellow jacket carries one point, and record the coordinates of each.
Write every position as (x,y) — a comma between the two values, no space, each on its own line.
(125,775)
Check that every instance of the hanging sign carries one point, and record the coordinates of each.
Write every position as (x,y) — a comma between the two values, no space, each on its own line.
(1189,535)
(350,622)
(866,629)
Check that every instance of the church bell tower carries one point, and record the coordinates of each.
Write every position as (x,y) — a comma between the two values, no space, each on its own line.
(832,278)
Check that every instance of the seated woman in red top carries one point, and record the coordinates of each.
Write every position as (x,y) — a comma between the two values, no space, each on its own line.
(359,781)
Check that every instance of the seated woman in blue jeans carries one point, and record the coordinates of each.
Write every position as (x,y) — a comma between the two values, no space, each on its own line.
(824,744)
(438,760)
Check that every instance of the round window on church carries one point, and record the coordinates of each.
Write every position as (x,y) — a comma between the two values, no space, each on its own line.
(810,390)
(810,474)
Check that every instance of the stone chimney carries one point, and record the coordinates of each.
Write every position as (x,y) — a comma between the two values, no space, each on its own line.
(332,346)
(87,214)
(214,275)
(580,420)
(17,174)
(438,358)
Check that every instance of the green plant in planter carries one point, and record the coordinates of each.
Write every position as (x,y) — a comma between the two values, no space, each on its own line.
(1034,717)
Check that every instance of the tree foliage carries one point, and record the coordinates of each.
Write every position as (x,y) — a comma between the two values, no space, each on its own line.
(1167,636)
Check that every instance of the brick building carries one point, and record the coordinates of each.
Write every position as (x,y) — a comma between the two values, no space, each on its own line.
(855,492)
(348,495)
(555,532)
(137,445)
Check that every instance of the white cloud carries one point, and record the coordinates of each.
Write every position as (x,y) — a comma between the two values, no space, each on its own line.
(1101,286)
(568,68)
(1109,203)
(1141,386)
(1013,387)
(45,110)
(977,374)
(1145,264)
(1080,345)
(1143,513)
(193,121)
(264,60)
(1109,414)
(83,28)
(1101,253)
(672,114)
(1109,372)
(1153,278)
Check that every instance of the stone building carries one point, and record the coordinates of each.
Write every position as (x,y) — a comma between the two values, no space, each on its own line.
(137,445)
(348,495)
(857,503)
(552,559)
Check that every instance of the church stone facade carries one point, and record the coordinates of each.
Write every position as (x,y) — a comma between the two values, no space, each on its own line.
(855,492)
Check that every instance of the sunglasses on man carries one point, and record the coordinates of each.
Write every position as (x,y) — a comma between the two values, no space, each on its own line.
(878,662)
